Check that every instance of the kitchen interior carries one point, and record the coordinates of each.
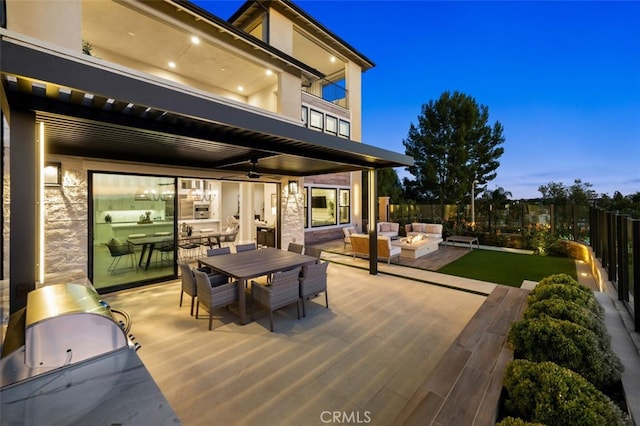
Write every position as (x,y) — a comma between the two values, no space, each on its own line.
(134,208)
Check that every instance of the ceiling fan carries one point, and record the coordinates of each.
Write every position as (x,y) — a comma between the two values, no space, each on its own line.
(253,173)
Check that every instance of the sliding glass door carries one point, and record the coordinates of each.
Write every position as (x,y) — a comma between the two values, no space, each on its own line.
(133,225)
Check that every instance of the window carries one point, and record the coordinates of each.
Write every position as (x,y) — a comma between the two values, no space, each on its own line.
(305,116)
(345,129)
(344,208)
(316,120)
(323,206)
(331,125)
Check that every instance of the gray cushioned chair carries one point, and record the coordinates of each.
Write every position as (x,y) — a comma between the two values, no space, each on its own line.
(313,251)
(214,297)
(245,247)
(313,281)
(284,290)
(295,248)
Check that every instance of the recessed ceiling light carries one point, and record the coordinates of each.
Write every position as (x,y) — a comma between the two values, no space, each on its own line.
(171,64)
(240,88)
(268,72)
(131,33)
(333,59)
(195,40)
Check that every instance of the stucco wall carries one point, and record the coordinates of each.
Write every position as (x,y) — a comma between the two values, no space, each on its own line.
(57,22)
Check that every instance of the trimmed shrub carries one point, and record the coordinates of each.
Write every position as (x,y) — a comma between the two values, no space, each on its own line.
(567,310)
(577,294)
(568,345)
(558,249)
(561,279)
(549,394)
(516,421)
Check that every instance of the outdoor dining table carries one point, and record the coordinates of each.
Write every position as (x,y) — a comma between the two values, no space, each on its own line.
(250,264)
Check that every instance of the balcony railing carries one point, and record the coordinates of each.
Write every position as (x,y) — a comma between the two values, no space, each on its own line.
(328,91)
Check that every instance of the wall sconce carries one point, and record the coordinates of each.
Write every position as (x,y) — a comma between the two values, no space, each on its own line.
(293,187)
(52,174)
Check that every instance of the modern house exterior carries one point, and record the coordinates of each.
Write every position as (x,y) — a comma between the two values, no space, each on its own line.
(129,118)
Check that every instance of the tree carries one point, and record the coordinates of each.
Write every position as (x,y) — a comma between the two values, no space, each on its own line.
(497,197)
(580,193)
(389,185)
(452,145)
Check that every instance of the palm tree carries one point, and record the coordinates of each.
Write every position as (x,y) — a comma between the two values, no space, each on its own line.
(497,197)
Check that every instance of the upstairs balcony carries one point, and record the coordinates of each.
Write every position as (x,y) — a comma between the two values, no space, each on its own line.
(325,108)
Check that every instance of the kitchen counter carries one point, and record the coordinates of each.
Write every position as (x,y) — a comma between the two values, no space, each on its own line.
(114,388)
(135,224)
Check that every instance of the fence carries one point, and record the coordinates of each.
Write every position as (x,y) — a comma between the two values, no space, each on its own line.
(569,222)
(615,240)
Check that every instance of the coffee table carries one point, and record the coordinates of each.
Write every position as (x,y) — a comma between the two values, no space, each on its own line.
(417,249)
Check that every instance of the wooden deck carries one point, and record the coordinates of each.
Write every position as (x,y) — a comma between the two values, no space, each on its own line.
(464,387)
(430,262)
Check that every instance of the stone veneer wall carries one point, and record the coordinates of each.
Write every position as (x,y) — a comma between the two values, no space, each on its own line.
(292,208)
(66,224)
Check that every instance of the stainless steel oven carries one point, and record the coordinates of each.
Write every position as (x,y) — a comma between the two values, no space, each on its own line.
(201,211)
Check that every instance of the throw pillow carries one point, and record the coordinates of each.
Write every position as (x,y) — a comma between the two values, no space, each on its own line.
(432,229)
(385,227)
(420,227)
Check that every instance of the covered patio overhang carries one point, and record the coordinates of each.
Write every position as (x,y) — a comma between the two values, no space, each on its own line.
(96,110)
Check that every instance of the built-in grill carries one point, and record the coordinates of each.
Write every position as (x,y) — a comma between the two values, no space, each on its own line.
(62,324)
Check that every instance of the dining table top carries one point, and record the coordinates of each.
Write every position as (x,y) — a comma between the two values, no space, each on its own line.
(256,263)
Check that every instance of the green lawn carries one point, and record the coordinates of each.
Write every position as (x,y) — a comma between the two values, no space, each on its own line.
(508,268)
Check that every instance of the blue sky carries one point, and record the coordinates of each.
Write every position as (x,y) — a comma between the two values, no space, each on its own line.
(563,78)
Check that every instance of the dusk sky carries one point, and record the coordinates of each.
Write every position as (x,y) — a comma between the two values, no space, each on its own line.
(563,78)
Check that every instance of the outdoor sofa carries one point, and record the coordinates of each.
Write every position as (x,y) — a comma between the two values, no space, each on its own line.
(428,230)
(360,246)
(388,229)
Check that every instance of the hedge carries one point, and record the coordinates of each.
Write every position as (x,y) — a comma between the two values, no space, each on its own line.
(547,393)
(570,311)
(568,345)
(577,294)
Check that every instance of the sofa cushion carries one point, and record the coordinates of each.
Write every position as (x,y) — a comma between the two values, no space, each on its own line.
(419,227)
(385,227)
(433,229)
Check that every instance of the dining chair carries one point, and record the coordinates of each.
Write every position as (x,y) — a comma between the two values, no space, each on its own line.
(245,247)
(284,290)
(117,251)
(188,284)
(313,281)
(218,251)
(190,246)
(166,250)
(313,251)
(214,297)
(295,248)
(229,238)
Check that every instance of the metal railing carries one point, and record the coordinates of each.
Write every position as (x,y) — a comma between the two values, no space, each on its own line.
(614,237)
(615,240)
(328,91)
(569,222)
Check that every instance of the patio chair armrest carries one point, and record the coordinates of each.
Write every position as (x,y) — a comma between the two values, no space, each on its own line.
(260,293)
